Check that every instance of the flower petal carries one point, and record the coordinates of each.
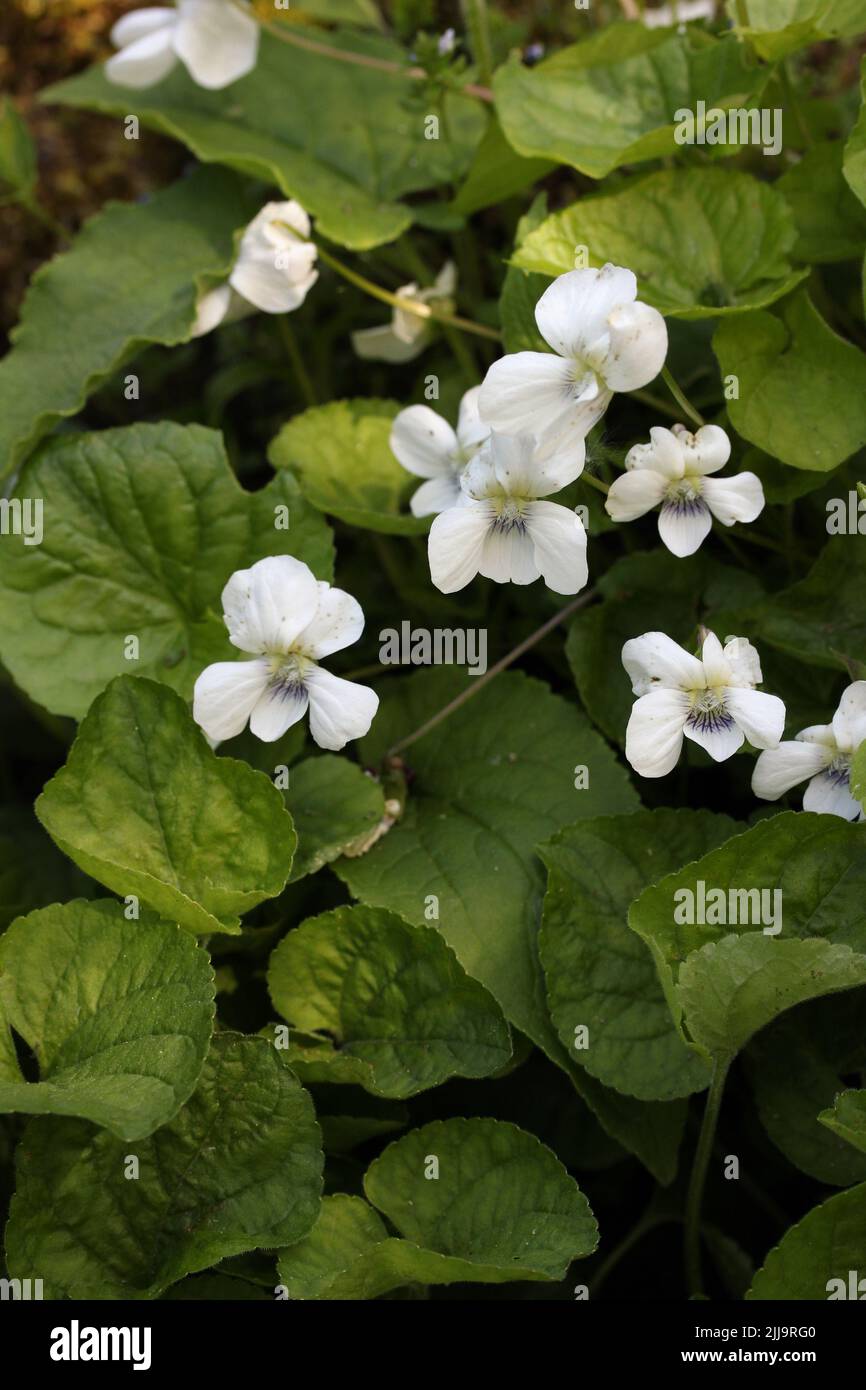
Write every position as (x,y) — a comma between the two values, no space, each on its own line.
(654,736)
(849,721)
(573,311)
(267,605)
(684,525)
(716,731)
(423,442)
(436,495)
(340,710)
(706,451)
(456,544)
(716,669)
(662,454)
(829,794)
(559,539)
(527,393)
(146,61)
(338,622)
(274,267)
(740,498)
(655,660)
(779,769)
(472,430)
(743,662)
(638,347)
(139,23)
(634,494)
(382,344)
(278,709)
(760,716)
(216,43)
(225,695)
(508,556)
(211,309)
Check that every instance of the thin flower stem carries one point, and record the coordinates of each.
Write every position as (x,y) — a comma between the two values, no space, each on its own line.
(397,301)
(656,402)
(681,398)
(698,1178)
(595,482)
(344,55)
(295,356)
(506,661)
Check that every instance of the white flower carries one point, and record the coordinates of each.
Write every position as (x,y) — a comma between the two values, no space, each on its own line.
(407,335)
(603,340)
(678,13)
(278,610)
(427,446)
(216,43)
(822,753)
(273,270)
(672,470)
(711,699)
(501,530)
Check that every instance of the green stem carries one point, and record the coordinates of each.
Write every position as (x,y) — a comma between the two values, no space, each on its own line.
(656,402)
(476,21)
(698,1178)
(396,301)
(681,398)
(494,670)
(595,482)
(299,367)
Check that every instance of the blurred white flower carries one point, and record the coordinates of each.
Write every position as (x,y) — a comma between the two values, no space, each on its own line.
(427,446)
(710,699)
(278,611)
(273,270)
(445,43)
(672,470)
(216,43)
(603,340)
(502,530)
(822,753)
(407,335)
(679,13)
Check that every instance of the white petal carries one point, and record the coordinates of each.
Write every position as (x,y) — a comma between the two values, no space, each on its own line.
(423,442)
(654,735)
(383,345)
(656,660)
(139,23)
(445,283)
(211,309)
(638,347)
(274,269)
(225,695)
(779,769)
(683,526)
(436,495)
(340,710)
(740,498)
(573,311)
(829,794)
(743,661)
(216,43)
(820,733)
(560,546)
(472,430)
(663,454)
(338,622)
(456,544)
(267,605)
(760,716)
(277,710)
(527,392)
(508,556)
(706,451)
(717,732)
(716,669)
(634,494)
(849,721)
(145,62)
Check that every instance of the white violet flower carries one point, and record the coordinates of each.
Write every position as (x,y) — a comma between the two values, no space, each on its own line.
(603,340)
(216,43)
(407,335)
(672,471)
(823,754)
(501,529)
(710,699)
(278,611)
(273,271)
(427,446)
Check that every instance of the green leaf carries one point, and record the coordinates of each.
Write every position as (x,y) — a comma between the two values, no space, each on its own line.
(119,1014)
(730,989)
(599,974)
(847,1118)
(366,148)
(333,804)
(532,1222)
(827,1245)
(802,389)
(854,156)
(735,256)
(240,1167)
(129,280)
(614,99)
(830,222)
(17,152)
(143,527)
(811,867)
(145,807)
(391,995)
(776,28)
(821,619)
(497,173)
(343,462)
